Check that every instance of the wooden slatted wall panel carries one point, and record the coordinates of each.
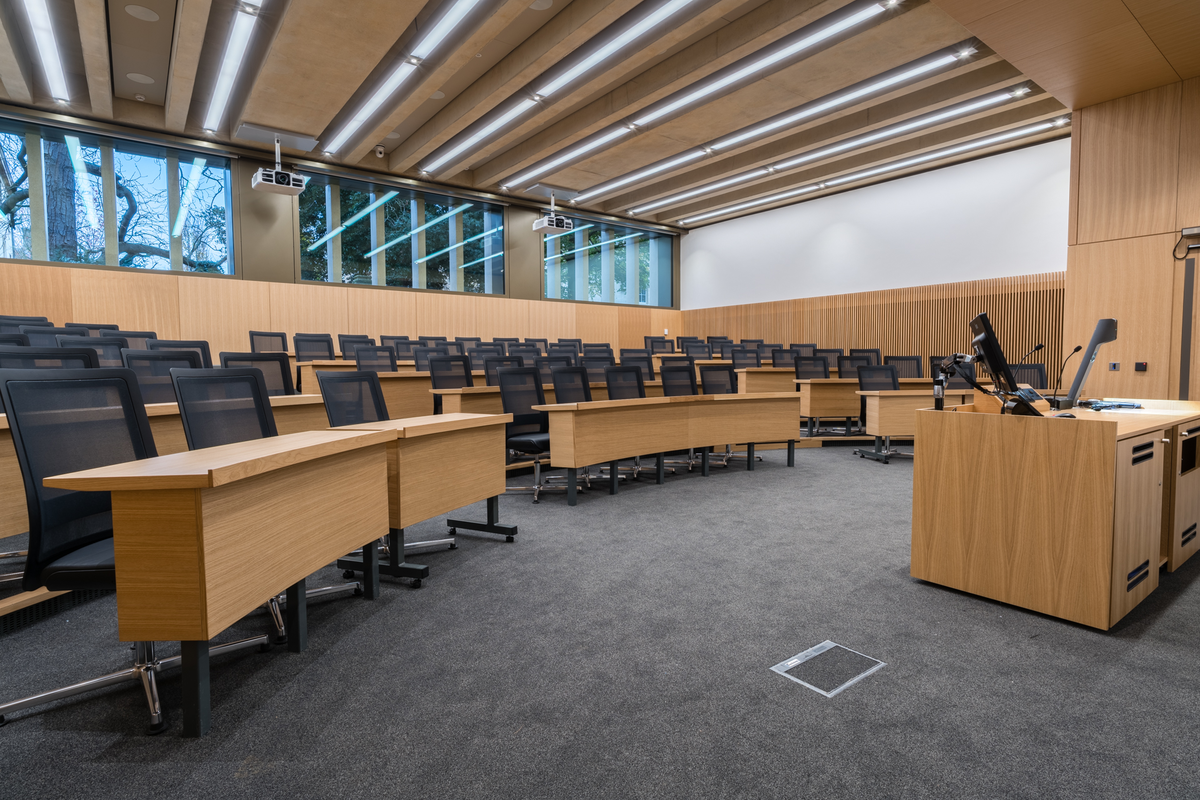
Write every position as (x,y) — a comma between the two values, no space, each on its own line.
(921,320)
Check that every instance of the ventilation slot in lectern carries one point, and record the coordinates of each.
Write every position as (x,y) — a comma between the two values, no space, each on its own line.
(1143,447)
(1138,575)
(1189,533)
(1143,457)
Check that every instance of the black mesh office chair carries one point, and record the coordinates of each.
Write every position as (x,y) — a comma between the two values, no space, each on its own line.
(871,353)
(633,351)
(137,339)
(716,340)
(752,342)
(906,366)
(816,367)
(375,359)
(223,406)
(543,345)
(493,364)
(805,350)
(268,342)
(660,346)
(697,350)
(784,358)
(563,349)
(680,341)
(313,346)
(830,354)
(644,361)
(1034,375)
(765,350)
(744,359)
(108,348)
(718,379)
(348,341)
(21,340)
(198,346)
(547,364)
(42,336)
(687,361)
(624,383)
(727,349)
(153,370)
(275,367)
(591,349)
(505,342)
(876,378)
(678,380)
(648,340)
(65,421)
(421,355)
(494,348)
(527,351)
(425,340)
(401,345)
(12,324)
(571,385)
(17,357)
(848,366)
(529,431)
(352,398)
(595,365)
(576,343)
(453,348)
(469,341)
(92,328)
(449,372)
(478,356)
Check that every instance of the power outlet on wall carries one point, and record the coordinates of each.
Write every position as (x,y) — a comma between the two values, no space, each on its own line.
(1114,366)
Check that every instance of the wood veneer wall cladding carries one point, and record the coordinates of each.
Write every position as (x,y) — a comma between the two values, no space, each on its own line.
(922,320)
(223,310)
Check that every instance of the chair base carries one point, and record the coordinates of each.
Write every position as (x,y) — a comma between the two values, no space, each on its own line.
(146,666)
(883,450)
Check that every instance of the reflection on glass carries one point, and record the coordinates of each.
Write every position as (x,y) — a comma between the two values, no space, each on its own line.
(601,262)
(203,221)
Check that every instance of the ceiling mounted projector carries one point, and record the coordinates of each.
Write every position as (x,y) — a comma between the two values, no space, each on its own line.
(278,180)
(553,221)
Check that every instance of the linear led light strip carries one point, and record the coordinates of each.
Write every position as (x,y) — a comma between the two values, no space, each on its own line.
(892,167)
(188,195)
(690,96)
(425,47)
(568,233)
(603,53)
(880,135)
(47,47)
(420,228)
(480,260)
(347,223)
(755,131)
(598,244)
(82,184)
(459,244)
(231,63)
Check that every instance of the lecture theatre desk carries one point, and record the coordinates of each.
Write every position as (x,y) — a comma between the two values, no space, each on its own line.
(486,399)
(893,413)
(203,538)
(436,464)
(770,379)
(837,398)
(582,434)
(1057,515)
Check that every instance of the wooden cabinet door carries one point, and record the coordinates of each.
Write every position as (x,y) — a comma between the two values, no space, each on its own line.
(1137,522)
(1184,506)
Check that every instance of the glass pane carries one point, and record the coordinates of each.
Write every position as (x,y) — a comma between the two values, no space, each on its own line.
(74,204)
(142,227)
(203,221)
(14,197)
(397,221)
(609,263)
(314,258)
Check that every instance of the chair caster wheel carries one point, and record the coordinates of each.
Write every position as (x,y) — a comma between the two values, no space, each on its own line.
(453,546)
(265,647)
(509,539)
(885,461)
(358,591)
(416,584)
(3,721)
(454,531)
(348,574)
(155,728)
(537,502)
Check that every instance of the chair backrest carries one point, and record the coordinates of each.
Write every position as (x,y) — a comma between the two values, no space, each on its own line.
(495,348)
(647,341)
(718,379)
(493,364)
(41,336)
(10,324)
(65,421)
(753,342)
(453,348)
(313,346)
(520,391)
(348,341)
(137,339)
(571,385)
(425,339)
(1032,374)
(468,340)
(831,355)
(811,368)
(375,358)
(21,340)
(784,358)
(450,372)
(275,367)
(878,378)
(697,349)
(576,343)
(153,370)
(848,365)
(624,383)
(506,340)
(597,349)
(743,359)
(727,349)
(17,357)
(421,355)
(223,406)
(91,328)
(401,345)
(528,351)
(268,342)
(562,349)
(680,341)
(669,360)
(716,340)
(632,351)
(547,364)
(645,361)
(108,348)
(765,350)
(873,354)
(543,345)
(906,366)
(660,346)
(198,346)
(352,398)
(806,350)
(477,356)
(595,365)
(678,380)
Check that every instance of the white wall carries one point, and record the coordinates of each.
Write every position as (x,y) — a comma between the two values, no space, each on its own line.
(995,217)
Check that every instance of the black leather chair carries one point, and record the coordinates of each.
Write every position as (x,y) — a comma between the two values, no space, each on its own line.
(42,336)
(153,370)
(624,383)
(375,359)
(137,339)
(195,345)
(906,366)
(449,372)
(593,349)
(268,342)
(108,348)
(812,368)
(529,432)
(275,367)
(66,421)
(848,366)
(92,329)
(765,350)
(526,351)
(348,341)
(727,348)
(453,348)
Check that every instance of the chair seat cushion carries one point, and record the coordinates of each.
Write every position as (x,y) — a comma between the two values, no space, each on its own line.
(530,443)
(90,567)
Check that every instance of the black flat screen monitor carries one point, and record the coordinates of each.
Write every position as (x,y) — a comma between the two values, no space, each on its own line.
(1106,331)
(987,350)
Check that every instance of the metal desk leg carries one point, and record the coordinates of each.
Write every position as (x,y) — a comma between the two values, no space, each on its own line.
(297,617)
(791,452)
(660,475)
(395,566)
(197,717)
(749,455)
(612,477)
(704,451)
(370,581)
(572,487)
(493,524)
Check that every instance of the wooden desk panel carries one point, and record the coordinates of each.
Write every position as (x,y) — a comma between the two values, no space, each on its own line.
(838,397)
(486,399)
(895,413)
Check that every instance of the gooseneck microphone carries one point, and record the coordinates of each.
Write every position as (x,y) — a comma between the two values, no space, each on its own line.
(1058,385)
(1027,355)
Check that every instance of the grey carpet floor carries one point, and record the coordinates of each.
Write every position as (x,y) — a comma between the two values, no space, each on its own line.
(622,648)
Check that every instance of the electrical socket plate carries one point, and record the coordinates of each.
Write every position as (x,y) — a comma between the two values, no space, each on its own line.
(1114,366)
